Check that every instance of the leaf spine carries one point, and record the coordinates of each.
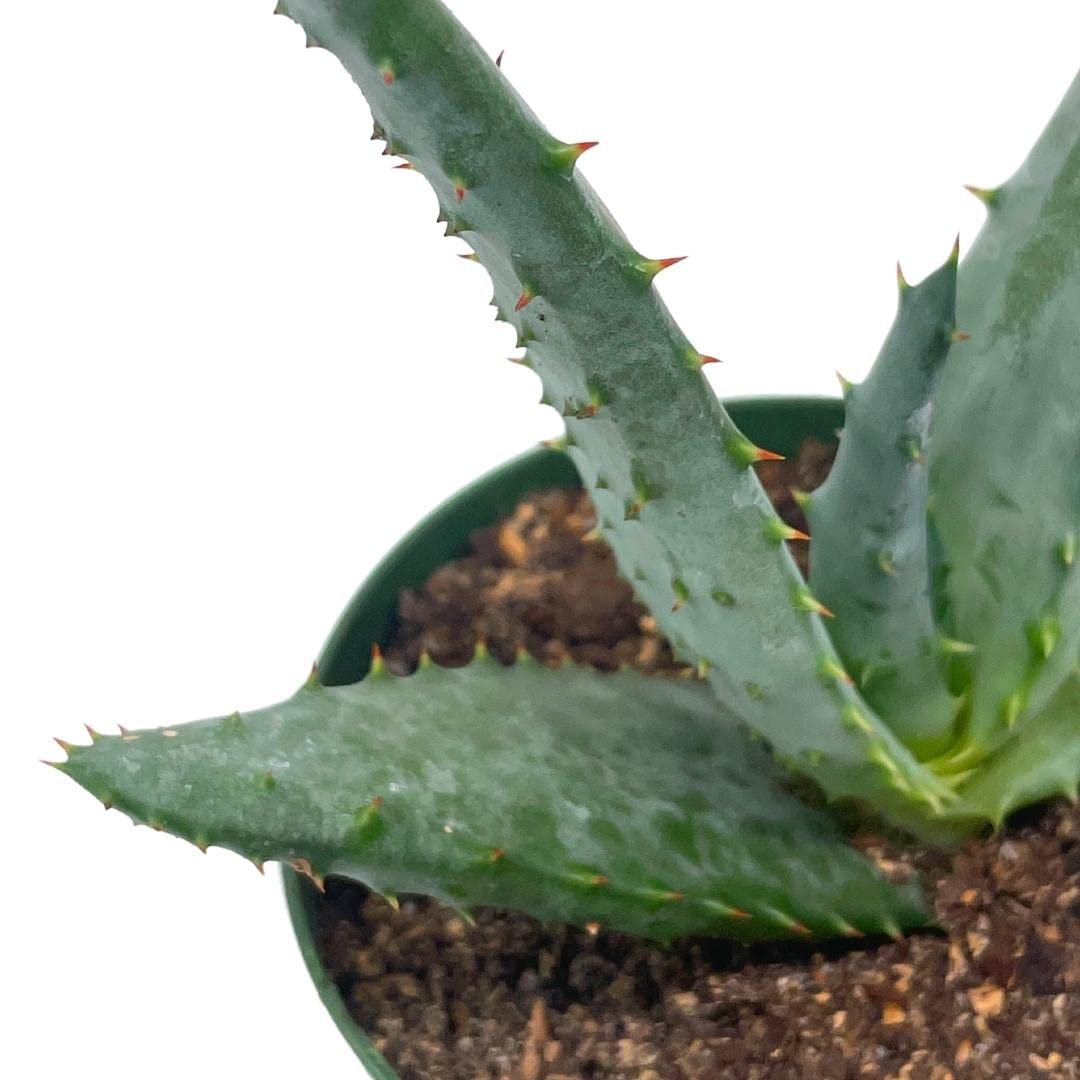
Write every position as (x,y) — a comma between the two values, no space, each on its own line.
(696,360)
(953,647)
(781,918)
(892,929)
(853,718)
(1044,636)
(778,530)
(832,670)
(987,196)
(806,601)
(745,453)
(1011,708)
(378,664)
(682,594)
(563,157)
(846,929)
(725,910)
(649,268)
(1067,549)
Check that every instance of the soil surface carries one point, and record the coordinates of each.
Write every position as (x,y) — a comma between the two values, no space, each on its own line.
(995,994)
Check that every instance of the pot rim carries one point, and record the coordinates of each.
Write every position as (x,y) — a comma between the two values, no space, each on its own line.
(779,422)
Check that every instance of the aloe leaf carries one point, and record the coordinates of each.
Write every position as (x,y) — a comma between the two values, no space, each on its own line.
(1005,446)
(869,561)
(669,472)
(620,799)
(1040,762)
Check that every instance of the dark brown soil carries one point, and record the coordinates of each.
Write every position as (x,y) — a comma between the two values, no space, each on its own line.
(996,994)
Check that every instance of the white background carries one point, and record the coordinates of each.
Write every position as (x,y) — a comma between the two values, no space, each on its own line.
(239,361)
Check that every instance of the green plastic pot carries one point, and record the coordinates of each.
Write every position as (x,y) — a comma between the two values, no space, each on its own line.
(781,424)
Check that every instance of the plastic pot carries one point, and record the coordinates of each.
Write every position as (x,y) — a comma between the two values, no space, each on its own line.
(781,424)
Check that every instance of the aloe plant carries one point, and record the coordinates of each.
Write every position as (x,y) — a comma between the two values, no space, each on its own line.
(927,672)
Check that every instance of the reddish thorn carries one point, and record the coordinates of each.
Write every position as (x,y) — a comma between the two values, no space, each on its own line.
(822,610)
(497,853)
(378,664)
(703,360)
(663,264)
(797,534)
(471,257)
(459,192)
(388,76)
(579,148)
(766,455)
(499,58)
(63,744)
(525,299)
(407,165)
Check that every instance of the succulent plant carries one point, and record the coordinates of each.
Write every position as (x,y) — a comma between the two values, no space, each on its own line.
(926,672)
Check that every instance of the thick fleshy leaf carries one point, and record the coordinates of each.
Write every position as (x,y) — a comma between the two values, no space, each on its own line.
(869,561)
(1040,762)
(669,472)
(571,795)
(1005,446)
